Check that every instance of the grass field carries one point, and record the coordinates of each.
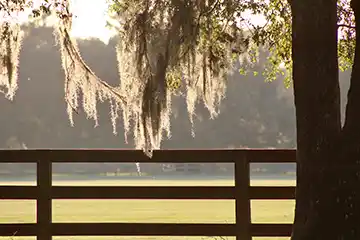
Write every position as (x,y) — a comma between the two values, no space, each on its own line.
(155,211)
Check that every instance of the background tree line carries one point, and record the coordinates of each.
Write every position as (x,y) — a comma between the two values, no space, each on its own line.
(261,112)
(255,113)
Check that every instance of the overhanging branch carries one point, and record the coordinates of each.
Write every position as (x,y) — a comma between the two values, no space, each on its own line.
(345,26)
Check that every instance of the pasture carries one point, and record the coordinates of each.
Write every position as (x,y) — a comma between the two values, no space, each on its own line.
(152,211)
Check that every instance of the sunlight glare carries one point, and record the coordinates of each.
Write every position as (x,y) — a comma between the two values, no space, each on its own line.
(90,20)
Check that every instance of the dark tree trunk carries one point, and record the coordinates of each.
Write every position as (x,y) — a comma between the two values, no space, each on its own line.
(349,191)
(317,102)
(328,183)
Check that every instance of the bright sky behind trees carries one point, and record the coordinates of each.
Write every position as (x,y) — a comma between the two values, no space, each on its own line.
(90,20)
(91,17)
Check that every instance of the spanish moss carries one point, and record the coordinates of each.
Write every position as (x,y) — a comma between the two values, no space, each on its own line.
(79,78)
(165,46)
(10,44)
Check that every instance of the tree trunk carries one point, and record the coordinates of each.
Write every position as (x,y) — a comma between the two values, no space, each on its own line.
(328,185)
(349,191)
(317,102)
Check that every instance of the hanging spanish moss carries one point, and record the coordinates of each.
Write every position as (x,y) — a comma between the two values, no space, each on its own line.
(165,46)
(80,80)
(10,44)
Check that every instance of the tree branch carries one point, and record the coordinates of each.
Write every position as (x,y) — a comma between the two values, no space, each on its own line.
(345,26)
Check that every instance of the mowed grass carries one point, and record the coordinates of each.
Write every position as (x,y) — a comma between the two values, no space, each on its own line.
(152,211)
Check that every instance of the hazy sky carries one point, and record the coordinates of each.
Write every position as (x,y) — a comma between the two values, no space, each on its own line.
(90,20)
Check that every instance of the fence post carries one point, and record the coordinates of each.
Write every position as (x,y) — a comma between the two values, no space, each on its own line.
(242,199)
(44,201)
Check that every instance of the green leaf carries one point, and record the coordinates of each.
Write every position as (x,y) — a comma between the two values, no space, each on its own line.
(242,71)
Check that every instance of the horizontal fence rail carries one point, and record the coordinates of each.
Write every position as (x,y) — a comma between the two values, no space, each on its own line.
(145,192)
(242,193)
(159,156)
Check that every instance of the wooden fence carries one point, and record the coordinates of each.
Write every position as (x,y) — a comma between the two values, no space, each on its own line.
(242,193)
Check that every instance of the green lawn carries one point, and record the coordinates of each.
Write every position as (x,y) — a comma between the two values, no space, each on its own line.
(155,211)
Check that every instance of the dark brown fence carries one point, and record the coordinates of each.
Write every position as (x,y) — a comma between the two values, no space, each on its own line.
(242,193)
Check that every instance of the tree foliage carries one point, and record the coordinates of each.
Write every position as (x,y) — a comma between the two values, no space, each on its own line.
(166,47)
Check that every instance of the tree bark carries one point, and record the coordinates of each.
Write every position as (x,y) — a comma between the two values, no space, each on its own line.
(328,182)
(317,102)
(349,179)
